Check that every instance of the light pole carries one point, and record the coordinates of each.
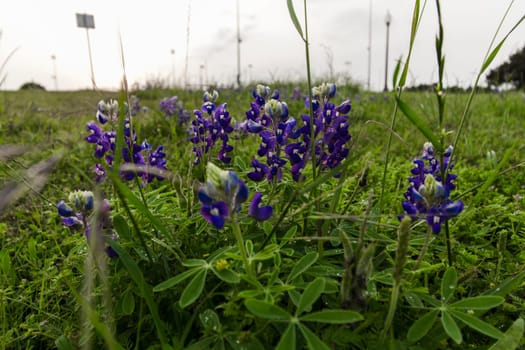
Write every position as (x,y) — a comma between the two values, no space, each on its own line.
(250,66)
(388,20)
(201,76)
(238,48)
(173,80)
(55,78)
(87,21)
(369,45)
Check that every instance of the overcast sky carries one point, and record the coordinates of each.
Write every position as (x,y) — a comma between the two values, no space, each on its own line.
(271,48)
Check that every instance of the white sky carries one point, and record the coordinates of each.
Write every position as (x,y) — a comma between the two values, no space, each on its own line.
(270,43)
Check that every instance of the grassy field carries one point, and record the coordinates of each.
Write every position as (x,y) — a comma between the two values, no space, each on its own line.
(331,268)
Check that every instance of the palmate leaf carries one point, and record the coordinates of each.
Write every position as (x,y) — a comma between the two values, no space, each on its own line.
(333,316)
(421,327)
(128,303)
(448,283)
(420,124)
(483,302)
(477,324)
(302,265)
(451,327)
(310,294)
(194,289)
(169,283)
(267,310)
(312,340)
(287,341)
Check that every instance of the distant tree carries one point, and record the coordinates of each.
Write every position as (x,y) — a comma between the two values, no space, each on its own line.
(511,71)
(32,86)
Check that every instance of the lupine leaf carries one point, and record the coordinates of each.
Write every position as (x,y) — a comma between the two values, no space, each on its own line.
(477,324)
(194,263)
(448,283)
(312,340)
(512,337)
(287,341)
(421,327)
(302,265)
(483,302)
(226,275)
(210,320)
(194,289)
(128,303)
(420,124)
(63,343)
(333,316)
(451,327)
(176,279)
(293,16)
(267,310)
(310,294)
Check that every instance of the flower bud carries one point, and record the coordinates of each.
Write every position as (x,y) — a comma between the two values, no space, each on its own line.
(274,108)
(207,97)
(263,91)
(82,200)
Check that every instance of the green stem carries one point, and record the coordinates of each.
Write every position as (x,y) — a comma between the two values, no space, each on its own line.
(424,248)
(242,249)
(312,126)
(391,310)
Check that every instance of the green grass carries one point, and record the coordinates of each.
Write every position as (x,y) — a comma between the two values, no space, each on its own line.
(43,263)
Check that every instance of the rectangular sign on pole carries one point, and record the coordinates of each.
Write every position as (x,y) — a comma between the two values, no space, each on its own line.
(85,21)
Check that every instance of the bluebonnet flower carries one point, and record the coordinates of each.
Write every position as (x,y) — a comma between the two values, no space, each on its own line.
(428,195)
(80,212)
(135,106)
(331,135)
(212,125)
(223,195)
(172,106)
(132,152)
(296,94)
(107,111)
(268,117)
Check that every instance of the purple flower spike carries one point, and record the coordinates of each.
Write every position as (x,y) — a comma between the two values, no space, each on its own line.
(95,132)
(215,213)
(428,195)
(259,213)
(64,209)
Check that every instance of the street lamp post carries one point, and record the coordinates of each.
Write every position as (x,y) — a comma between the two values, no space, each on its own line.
(369,45)
(88,22)
(55,78)
(173,80)
(238,48)
(388,20)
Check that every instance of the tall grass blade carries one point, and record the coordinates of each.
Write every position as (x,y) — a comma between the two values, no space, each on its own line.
(495,51)
(420,124)
(33,179)
(145,289)
(295,21)
(512,337)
